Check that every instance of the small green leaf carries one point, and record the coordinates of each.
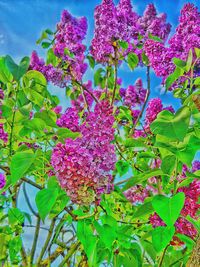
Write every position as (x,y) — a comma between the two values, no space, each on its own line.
(173,77)
(143,210)
(15,216)
(20,163)
(123,44)
(17,71)
(141,178)
(45,200)
(122,167)
(132,60)
(161,236)
(168,164)
(91,61)
(169,208)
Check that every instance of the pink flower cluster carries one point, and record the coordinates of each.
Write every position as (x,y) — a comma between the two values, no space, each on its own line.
(186,37)
(69,48)
(83,166)
(3,134)
(119,22)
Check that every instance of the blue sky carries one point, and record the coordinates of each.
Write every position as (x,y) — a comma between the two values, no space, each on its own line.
(22,22)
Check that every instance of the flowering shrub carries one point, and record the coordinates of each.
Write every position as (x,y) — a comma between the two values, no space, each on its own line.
(115,176)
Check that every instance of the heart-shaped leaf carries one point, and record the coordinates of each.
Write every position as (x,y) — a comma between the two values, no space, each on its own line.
(161,236)
(45,200)
(169,208)
(172,126)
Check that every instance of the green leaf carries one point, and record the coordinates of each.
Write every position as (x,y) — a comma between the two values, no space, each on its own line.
(106,233)
(172,126)
(186,151)
(66,133)
(20,163)
(123,44)
(3,241)
(143,210)
(179,63)
(189,60)
(161,236)
(17,71)
(169,208)
(168,164)
(15,216)
(145,59)
(173,77)
(45,200)
(91,61)
(35,80)
(5,75)
(122,167)
(141,178)
(98,76)
(132,60)
(35,124)
(155,38)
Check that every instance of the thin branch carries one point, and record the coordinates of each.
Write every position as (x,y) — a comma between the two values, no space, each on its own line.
(47,241)
(32,183)
(115,77)
(88,91)
(163,255)
(70,253)
(36,235)
(145,101)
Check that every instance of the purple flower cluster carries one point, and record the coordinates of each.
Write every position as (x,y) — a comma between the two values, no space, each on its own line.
(120,22)
(51,73)
(83,166)
(106,31)
(154,24)
(135,94)
(69,48)
(186,37)
(2,180)
(3,134)
(69,119)
(70,34)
